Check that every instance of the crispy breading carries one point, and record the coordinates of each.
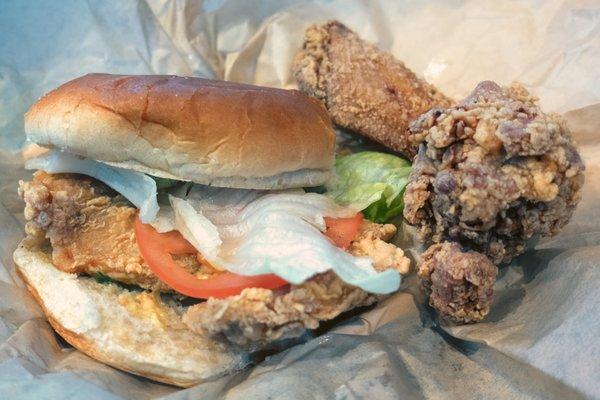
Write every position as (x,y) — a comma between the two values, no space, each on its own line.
(90,228)
(493,172)
(259,316)
(460,283)
(372,242)
(364,89)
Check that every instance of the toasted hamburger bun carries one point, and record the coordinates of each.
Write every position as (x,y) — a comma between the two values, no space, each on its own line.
(210,132)
(130,331)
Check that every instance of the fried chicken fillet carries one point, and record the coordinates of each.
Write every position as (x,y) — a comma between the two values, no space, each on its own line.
(364,89)
(91,230)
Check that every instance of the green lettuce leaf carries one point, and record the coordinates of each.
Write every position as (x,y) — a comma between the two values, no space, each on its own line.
(164,183)
(372,182)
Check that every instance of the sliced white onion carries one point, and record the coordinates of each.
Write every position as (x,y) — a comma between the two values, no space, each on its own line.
(165,220)
(196,228)
(252,233)
(136,187)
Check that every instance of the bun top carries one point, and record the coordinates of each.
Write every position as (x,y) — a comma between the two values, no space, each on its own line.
(210,132)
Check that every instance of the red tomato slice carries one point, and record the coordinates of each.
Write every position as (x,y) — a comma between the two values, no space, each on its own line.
(156,249)
(342,231)
(172,242)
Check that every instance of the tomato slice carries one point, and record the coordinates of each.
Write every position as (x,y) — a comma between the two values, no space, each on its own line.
(172,242)
(342,231)
(156,249)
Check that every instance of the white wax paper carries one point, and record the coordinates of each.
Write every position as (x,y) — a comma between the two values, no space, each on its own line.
(541,339)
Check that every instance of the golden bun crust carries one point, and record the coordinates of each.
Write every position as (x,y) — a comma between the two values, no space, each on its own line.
(125,330)
(206,131)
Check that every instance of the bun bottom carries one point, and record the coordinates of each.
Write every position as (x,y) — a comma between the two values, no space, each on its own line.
(136,332)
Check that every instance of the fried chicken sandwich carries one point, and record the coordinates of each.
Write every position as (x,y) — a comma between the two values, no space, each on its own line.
(170,229)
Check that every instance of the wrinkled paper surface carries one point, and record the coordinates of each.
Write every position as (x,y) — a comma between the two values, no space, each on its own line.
(541,339)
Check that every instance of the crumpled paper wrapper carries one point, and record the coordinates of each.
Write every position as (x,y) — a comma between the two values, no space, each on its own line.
(541,338)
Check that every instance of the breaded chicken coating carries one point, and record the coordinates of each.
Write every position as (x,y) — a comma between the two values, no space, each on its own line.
(90,229)
(364,89)
(460,283)
(492,173)
(258,316)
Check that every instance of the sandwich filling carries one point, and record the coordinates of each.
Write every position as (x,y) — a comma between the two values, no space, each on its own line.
(229,237)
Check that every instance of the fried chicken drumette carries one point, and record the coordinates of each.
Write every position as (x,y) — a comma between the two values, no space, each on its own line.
(364,89)
(460,283)
(492,172)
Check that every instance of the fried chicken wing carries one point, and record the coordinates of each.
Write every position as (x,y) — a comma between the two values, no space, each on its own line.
(492,172)
(364,89)
(460,283)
